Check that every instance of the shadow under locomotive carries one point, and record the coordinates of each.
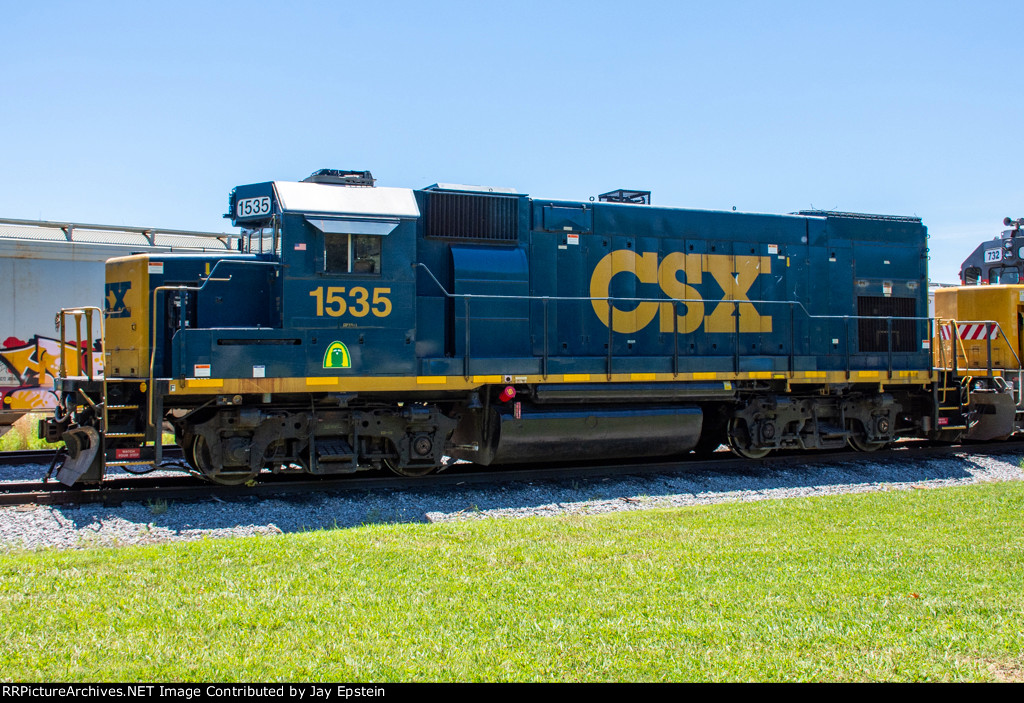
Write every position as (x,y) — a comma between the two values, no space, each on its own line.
(520,499)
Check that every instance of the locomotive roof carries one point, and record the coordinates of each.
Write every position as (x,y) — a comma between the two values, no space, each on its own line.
(345,200)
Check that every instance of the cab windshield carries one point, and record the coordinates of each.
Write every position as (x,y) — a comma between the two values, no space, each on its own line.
(262,240)
(1004,275)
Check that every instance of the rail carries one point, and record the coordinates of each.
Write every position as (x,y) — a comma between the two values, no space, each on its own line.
(792,305)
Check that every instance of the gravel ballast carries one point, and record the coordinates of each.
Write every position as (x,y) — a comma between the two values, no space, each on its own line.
(71,527)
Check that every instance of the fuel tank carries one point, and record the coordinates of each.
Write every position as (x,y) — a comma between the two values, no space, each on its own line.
(519,434)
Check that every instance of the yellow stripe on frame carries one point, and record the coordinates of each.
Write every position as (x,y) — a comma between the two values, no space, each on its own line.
(358,384)
(205,382)
(322,381)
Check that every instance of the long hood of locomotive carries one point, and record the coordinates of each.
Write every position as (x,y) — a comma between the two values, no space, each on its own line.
(460,289)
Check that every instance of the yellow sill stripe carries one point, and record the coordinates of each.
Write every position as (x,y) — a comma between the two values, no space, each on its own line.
(322,381)
(194,386)
(205,382)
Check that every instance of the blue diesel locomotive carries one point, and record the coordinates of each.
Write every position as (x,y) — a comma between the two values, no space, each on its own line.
(363,326)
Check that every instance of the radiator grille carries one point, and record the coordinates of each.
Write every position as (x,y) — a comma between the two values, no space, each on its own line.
(872,334)
(492,218)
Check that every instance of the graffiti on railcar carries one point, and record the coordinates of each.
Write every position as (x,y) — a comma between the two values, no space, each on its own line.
(28,370)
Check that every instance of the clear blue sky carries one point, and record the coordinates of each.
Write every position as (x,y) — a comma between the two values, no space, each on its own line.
(149,113)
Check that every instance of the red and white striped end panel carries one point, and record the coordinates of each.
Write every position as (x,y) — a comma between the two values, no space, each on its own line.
(946,331)
(977,331)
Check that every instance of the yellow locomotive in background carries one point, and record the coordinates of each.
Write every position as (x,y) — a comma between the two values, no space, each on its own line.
(979,325)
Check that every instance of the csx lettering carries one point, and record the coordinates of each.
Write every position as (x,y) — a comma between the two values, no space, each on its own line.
(734,274)
(115,293)
(333,301)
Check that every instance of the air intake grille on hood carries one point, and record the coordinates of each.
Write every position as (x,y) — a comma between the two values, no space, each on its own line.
(489,218)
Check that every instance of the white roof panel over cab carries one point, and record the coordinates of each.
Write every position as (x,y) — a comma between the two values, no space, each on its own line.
(325,199)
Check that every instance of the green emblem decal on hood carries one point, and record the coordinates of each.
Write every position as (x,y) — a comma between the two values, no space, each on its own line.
(337,357)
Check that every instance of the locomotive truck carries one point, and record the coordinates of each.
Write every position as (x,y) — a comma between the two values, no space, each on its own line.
(361,326)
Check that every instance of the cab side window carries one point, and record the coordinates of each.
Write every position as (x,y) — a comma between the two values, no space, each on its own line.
(1008,275)
(351,253)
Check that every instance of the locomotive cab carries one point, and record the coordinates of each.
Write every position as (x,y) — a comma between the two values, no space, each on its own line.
(998,261)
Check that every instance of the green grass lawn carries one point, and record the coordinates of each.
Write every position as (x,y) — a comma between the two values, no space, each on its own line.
(909,585)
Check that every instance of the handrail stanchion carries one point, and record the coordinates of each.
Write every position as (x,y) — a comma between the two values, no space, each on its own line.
(953,356)
(988,345)
(736,351)
(465,358)
(675,338)
(88,354)
(792,337)
(846,340)
(609,362)
(63,366)
(78,345)
(544,367)
(888,339)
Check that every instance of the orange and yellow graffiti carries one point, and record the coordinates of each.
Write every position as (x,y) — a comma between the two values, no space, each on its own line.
(28,369)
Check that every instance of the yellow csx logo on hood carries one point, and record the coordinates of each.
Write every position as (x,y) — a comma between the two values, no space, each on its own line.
(734,274)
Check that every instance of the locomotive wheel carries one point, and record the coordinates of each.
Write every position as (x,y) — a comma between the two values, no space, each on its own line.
(410,471)
(858,439)
(225,476)
(862,445)
(739,441)
(187,444)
